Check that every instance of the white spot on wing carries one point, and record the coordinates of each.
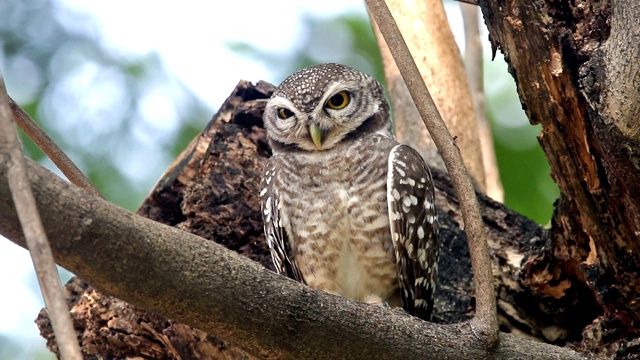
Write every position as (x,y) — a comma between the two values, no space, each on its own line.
(406,201)
(422,256)
(267,205)
(411,218)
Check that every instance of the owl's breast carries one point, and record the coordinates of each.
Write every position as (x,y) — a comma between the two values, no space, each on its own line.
(339,227)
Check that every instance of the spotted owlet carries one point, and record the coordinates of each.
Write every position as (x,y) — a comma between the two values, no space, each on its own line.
(346,208)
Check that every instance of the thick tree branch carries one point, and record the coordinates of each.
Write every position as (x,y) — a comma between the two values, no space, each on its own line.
(576,72)
(486,317)
(187,278)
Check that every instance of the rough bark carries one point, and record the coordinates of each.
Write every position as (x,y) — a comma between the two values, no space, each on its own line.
(195,281)
(214,178)
(576,69)
(208,190)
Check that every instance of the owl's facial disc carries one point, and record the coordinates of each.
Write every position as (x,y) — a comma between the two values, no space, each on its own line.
(322,107)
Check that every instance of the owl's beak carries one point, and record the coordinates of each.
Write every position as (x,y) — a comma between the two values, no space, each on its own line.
(317,135)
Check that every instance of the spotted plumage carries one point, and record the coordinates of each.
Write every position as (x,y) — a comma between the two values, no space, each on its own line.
(346,208)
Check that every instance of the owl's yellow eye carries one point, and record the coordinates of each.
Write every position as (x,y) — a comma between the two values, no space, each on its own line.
(284,113)
(339,100)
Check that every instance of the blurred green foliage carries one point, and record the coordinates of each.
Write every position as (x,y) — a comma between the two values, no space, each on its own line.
(10,350)
(94,101)
(525,175)
(524,170)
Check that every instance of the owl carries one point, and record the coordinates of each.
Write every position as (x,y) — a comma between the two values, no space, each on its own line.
(346,208)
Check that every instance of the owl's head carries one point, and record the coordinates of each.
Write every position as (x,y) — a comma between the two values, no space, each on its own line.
(321,106)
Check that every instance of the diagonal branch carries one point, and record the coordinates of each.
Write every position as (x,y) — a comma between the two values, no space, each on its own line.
(425,28)
(186,278)
(53,151)
(486,316)
(36,239)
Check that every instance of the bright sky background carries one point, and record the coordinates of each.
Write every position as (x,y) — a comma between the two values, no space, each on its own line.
(191,39)
(191,36)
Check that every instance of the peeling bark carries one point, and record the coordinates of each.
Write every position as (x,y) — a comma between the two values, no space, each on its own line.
(576,69)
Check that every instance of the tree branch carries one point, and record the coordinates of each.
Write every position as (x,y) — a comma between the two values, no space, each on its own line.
(51,149)
(36,239)
(186,278)
(486,317)
(425,28)
(473,61)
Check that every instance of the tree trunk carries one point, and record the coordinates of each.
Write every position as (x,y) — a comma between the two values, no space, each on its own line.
(578,75)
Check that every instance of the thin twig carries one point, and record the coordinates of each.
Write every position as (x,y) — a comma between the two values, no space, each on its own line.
(25,205)
(475,75)
(53,151)
(486,318)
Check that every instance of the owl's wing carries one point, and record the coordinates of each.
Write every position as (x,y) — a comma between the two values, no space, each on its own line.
(414,228)
(273,226)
